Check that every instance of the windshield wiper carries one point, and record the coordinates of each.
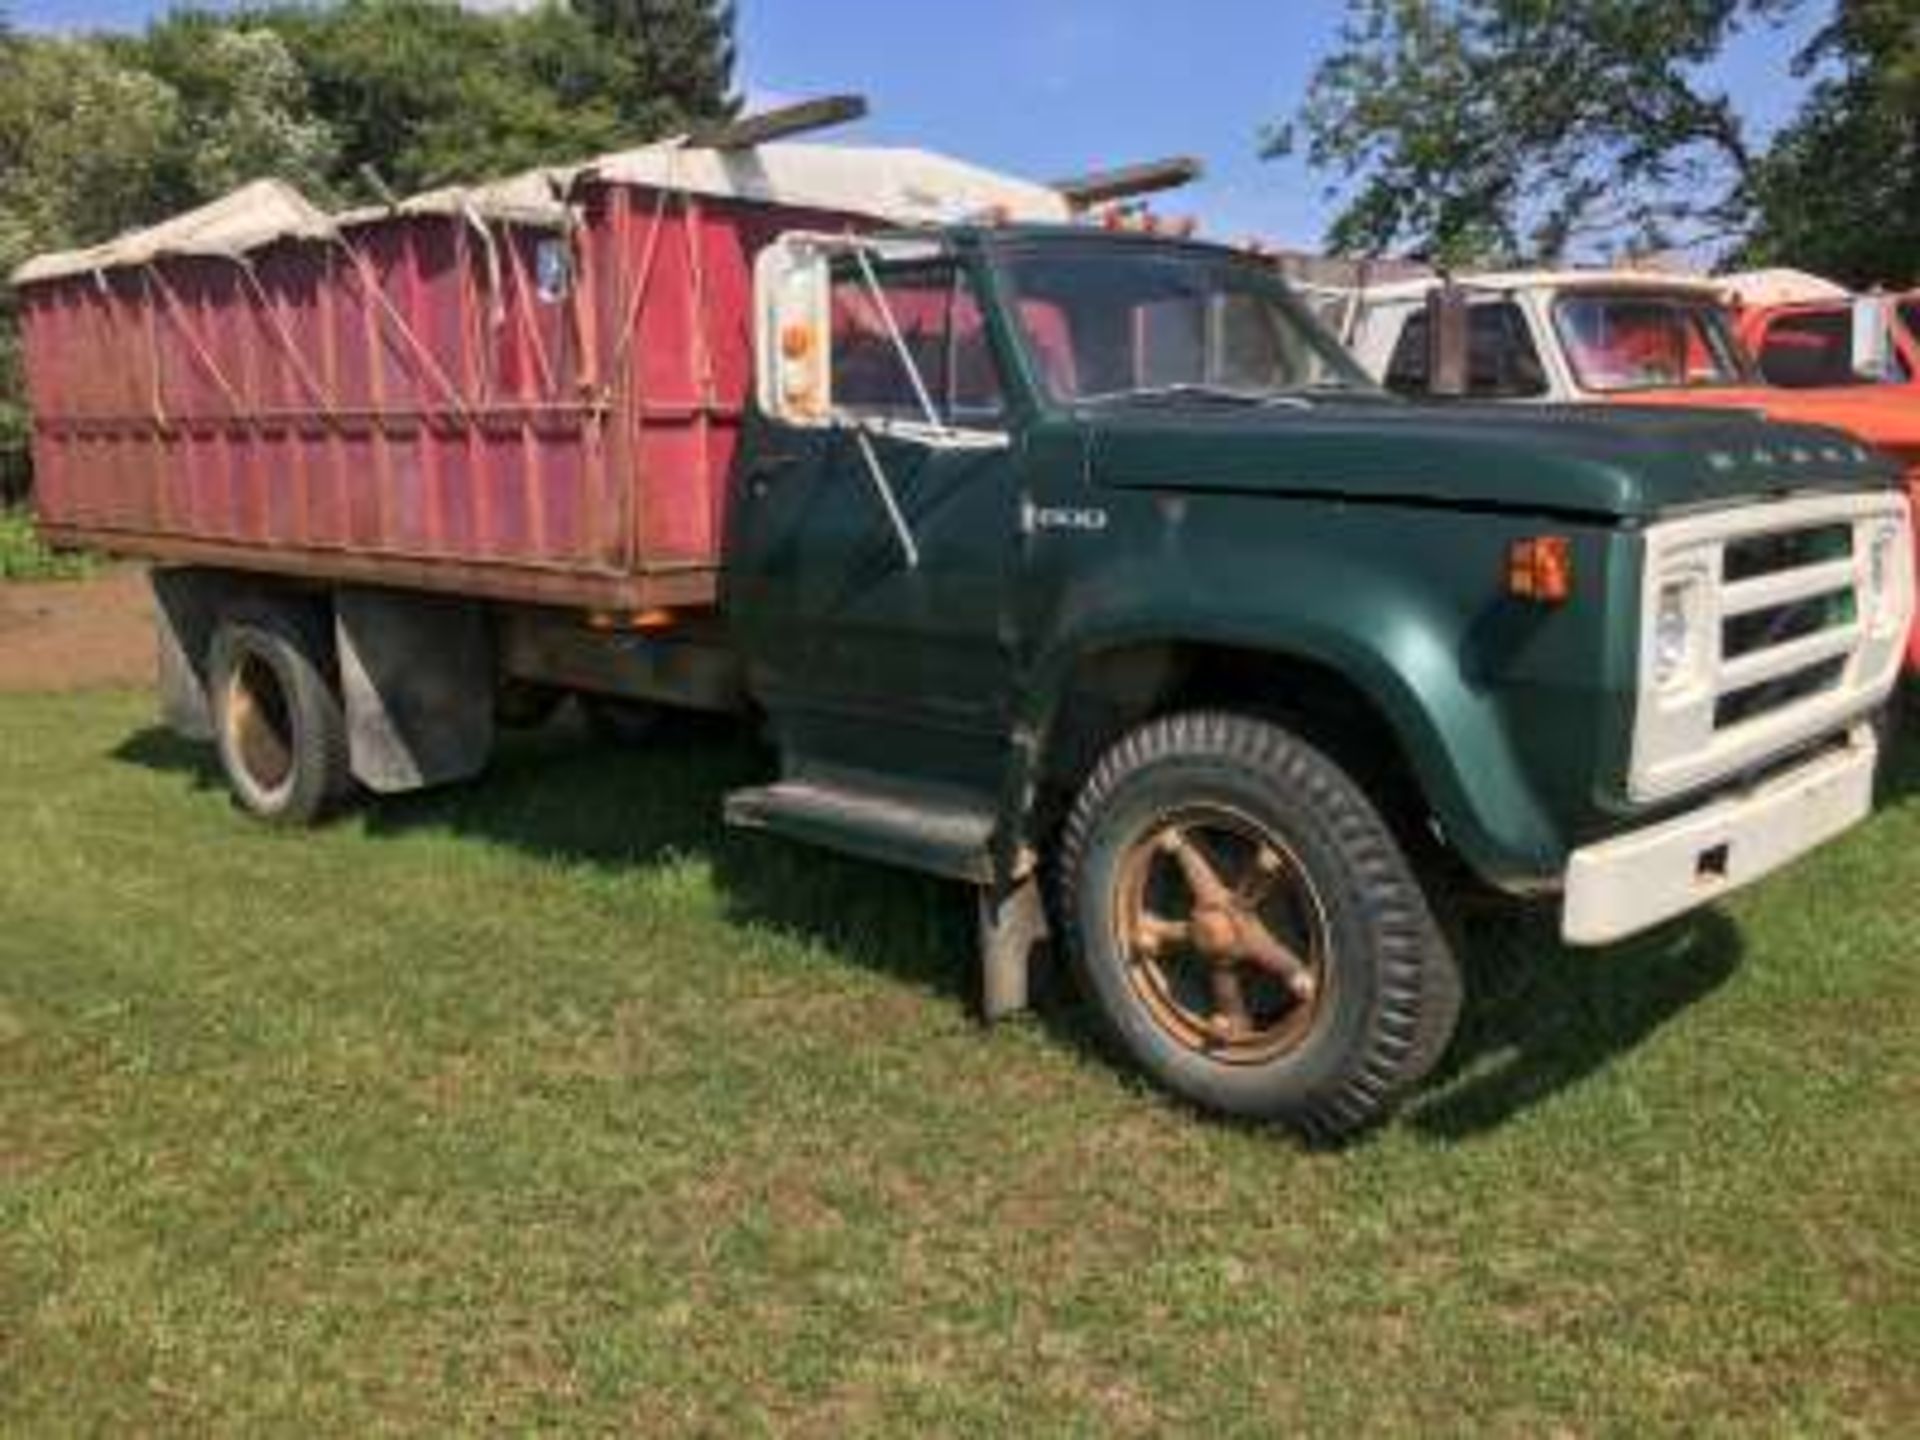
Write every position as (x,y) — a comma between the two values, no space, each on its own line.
(1182,390)
(1331,386)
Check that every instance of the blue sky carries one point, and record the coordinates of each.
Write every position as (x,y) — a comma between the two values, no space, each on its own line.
(1047,88)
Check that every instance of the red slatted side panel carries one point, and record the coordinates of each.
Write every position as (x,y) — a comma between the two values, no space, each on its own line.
(420,395)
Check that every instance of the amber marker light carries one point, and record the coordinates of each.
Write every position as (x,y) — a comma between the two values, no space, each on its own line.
(1541,569)
(645,621)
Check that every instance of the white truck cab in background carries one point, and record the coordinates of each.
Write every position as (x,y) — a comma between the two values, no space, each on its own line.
(1553,336)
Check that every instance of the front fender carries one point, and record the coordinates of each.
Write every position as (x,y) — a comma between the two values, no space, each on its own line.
(1500,709)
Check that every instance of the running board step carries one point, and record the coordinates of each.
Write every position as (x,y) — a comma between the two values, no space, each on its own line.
(921,827)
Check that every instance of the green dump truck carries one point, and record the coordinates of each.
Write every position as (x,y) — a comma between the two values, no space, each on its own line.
(1083,568)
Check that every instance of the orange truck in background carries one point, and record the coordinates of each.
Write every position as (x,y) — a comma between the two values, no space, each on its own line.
(1800,330)
(1807,333)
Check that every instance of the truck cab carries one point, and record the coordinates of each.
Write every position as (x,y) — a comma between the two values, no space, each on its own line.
(1804,332)
(1094,556)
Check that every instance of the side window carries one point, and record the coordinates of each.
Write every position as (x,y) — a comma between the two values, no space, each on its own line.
(1407,369)
(1502,360)
(1170,342)
(1811,349)
(1814,348)
(943,329)
(974,396)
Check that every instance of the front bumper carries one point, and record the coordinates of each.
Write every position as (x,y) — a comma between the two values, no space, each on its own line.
(1624,885)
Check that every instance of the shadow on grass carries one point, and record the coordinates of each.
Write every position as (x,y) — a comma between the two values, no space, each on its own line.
(1539,1018)
(560,795)
(1900,770)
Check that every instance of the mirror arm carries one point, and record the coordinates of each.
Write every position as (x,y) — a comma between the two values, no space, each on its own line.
(883,488)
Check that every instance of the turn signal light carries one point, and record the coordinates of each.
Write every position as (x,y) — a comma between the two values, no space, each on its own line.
(1541,569)
(796,341)
(646,621)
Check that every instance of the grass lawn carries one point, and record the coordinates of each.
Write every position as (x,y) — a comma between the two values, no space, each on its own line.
(547,1102)
(24,556)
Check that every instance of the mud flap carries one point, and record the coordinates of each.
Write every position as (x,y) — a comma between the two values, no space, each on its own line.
(417,677)
(186,607)
(1013,948)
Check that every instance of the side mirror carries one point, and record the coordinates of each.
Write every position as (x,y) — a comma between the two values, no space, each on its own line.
(1447,341)
(793,325)
(1872,338)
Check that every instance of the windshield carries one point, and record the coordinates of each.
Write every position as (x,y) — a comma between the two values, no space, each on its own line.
(1617,342)
(1131,323)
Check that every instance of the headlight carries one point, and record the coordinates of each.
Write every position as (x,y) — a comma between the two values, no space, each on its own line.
(1677,641)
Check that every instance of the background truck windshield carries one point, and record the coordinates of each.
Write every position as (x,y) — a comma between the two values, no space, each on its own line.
(1620,342)
(1105,326)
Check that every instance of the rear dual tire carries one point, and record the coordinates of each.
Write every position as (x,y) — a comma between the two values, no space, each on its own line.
(1247,928)
(278,722)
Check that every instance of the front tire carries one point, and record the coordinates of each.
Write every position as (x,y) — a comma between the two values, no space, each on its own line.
(1247,928)
(278,721)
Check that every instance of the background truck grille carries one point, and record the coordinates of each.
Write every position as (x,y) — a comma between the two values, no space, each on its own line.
(1797,613)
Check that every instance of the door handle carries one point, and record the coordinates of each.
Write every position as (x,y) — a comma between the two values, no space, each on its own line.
(769,463)
(768,466)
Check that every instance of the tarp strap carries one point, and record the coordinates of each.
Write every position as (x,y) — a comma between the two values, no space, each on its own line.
(328,401)
(371,285)
(174,307)
(632,321)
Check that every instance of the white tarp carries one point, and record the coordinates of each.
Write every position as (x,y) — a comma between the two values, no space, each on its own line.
(1767,288)
(903,187)
(895,186)
(239,221)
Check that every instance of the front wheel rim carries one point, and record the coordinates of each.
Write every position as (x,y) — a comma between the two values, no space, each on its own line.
(1222,935)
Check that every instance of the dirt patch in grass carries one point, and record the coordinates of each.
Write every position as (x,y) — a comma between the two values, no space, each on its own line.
(77,634)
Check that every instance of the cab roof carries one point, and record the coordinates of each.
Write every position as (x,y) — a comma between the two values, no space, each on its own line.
(1515,281)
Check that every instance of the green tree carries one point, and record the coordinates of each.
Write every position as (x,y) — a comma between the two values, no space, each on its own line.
(1839,192)
(1475,129)
(682,54)
(83,142)
(424,92)
(245,110)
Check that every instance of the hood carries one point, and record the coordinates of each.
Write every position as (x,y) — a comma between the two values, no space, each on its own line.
(1887,416)
(1596,460)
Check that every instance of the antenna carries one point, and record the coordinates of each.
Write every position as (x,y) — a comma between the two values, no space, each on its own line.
(1083,192)
(751,130)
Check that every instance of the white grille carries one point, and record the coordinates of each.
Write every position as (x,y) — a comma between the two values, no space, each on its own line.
(1764,626)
